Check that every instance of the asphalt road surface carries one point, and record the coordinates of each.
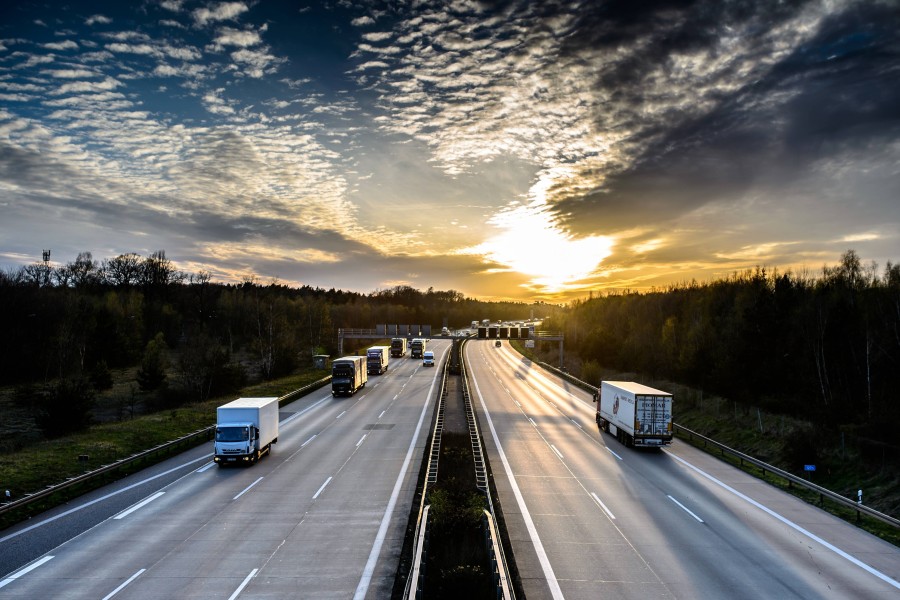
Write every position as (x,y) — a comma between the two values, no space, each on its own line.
(589,518)
(323,516)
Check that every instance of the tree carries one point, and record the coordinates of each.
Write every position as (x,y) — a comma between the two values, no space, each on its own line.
(123,270)
(152,374)
(66,407)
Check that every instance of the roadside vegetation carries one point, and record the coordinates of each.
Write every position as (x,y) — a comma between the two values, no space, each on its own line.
(103,359)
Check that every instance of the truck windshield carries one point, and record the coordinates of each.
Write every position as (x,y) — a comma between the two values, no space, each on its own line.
(232,434)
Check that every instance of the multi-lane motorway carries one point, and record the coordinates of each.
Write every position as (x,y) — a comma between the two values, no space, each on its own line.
(590,518)
(324,515)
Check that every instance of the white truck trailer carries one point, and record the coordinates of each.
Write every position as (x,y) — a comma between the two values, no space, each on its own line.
(636,414)
(348,374)
(246,428)
(377,359)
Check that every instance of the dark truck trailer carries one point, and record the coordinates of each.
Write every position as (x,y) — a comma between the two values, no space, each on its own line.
(348,374)
(398,347)
(377,358)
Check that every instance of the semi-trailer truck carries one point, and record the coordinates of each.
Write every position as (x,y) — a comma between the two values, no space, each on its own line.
(246,428)
(398,347)
(417,348)
(636,414)
(377,359)
(348,374)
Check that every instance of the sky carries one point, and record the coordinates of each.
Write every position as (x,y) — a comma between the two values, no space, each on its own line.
(504,150)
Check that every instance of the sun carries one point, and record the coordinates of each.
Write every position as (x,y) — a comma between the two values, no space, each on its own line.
(529,243)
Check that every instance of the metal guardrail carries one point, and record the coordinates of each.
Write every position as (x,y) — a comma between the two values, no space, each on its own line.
(500,570)
(413,588)
(188,440)
(793,479)
(723,449)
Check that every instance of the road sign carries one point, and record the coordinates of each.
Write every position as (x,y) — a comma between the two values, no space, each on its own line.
(809,467)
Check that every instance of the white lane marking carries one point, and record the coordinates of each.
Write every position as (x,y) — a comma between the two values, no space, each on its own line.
(532,421)
(382,413)
(613,453)
(205,467)
(359,443)
(327,481)
(363,587)
(247,489)
(304,411)
(303,445)
(549,575)
(24,571)
(517,403)
(243,584)
(684,508)
(124,585)
(139,505)
(395,397)
(577,424)
(106,497)
(341,415)
(134,485)
(603,506)
(790,524)
(558,453)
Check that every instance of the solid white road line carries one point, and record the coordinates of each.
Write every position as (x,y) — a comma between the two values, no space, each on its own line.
(124,585)
(549,575)
(369,569)
(24,571)
(140,504)
(684,508)
(790,524)
(243,584)
(247,489)
(106,497)
(327,481)
(603,506)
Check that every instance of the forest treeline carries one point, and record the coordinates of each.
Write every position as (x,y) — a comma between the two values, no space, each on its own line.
(65,326)
(824,348)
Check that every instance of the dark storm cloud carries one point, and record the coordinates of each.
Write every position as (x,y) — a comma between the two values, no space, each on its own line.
(833,98)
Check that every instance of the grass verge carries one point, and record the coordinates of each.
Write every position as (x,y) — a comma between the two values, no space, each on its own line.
(50,462)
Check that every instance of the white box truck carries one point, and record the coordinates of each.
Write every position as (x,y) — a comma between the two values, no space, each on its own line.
(636,414)
(377,359)
(348,374)
(246,428)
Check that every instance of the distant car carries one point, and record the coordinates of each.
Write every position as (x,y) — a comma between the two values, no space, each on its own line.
(498,343)
(428,359)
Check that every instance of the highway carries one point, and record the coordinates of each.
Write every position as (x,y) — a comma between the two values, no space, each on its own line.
(590,518)
(323,516)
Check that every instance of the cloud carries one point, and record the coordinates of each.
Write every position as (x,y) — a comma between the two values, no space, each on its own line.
(97,19)
(68,73)
(236,37)
(256,62)
(222,11)
(66,45)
